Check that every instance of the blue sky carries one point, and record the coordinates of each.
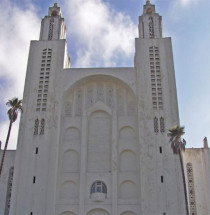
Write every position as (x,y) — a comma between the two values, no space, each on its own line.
(101,33)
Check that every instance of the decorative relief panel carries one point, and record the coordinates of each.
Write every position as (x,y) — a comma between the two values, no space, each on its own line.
(110,96)
(79,102)
(99,92)
(88,95)
(68,109)
(120,102)
(131,109)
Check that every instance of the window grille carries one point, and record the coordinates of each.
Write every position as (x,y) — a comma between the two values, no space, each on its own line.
(42,126)
(51,26)
(98,187)
(36,126)
(155,78)
(156,130)
(162,125)
(151,27)
(9,191)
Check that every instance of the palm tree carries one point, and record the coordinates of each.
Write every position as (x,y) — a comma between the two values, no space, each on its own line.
(15,106)
(178,146)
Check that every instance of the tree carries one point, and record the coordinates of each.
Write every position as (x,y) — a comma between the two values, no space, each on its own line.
(178,146)
(15,106)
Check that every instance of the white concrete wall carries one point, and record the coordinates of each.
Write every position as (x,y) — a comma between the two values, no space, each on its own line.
(168,196)
(38,197)
(200,160)
(103,129)
(99,126)
(8,163)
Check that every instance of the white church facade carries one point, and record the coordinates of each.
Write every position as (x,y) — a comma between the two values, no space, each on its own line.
(93,141)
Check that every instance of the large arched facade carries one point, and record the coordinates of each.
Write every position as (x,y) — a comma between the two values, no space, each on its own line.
(99,142)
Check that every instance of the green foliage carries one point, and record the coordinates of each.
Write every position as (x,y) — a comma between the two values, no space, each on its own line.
(176,141)
(15,106)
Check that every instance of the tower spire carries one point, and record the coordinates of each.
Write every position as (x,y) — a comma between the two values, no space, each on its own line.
(150,22)
(53,26)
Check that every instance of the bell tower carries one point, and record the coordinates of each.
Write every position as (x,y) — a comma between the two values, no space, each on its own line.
(39,123)
(53,26)
(162,187)
(150,23)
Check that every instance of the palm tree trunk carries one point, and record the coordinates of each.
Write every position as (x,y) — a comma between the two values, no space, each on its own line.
(5,148)
(184,182)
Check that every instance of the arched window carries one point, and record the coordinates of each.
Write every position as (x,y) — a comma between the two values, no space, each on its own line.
(36,126)
(98,187)
(156,130)
(42,126)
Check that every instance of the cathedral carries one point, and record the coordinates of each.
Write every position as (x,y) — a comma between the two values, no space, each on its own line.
(93,141)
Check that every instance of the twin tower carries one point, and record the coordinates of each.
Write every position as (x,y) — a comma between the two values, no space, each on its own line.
(94,141)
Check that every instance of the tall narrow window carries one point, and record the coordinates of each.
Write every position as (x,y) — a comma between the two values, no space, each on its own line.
(156,81)
(9,191)
(44,80)
(51,26)
(191,191)
(162,125)
(151,28)
(36,127)
(156,130)
(42,126)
